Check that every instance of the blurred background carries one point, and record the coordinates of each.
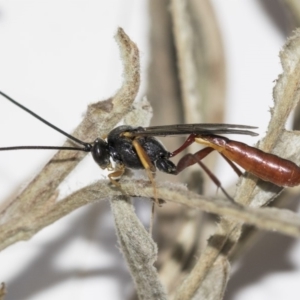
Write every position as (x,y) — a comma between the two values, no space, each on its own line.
(213,61)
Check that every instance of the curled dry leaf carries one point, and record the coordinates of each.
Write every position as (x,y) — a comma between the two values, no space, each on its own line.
(36,205)
(100,118)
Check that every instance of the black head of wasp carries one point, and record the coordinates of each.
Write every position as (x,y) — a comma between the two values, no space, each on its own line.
(137,148)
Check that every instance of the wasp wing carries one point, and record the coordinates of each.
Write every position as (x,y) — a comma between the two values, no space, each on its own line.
(201,129)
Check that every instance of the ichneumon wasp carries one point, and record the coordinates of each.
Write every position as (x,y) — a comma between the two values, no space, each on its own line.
(138,148)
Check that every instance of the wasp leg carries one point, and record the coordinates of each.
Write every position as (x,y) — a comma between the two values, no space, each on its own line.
(190,159)
(190,140)
(118,172)
(147,164)
(233,166)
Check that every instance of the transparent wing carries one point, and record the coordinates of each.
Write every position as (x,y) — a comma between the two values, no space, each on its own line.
(201,129)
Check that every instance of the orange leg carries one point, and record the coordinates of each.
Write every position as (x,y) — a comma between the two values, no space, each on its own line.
(116,173)
(147,164)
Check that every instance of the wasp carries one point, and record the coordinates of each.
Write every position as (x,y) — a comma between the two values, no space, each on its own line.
(139,148)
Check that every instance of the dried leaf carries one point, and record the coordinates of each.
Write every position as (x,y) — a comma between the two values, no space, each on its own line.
(139,250)
(99,120)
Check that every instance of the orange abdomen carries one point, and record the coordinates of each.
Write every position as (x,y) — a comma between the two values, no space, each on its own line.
(266,166)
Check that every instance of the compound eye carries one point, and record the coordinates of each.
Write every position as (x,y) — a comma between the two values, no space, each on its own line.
(101,153)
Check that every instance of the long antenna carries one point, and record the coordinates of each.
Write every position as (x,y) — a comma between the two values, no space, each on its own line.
(87,146)
(85,149)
